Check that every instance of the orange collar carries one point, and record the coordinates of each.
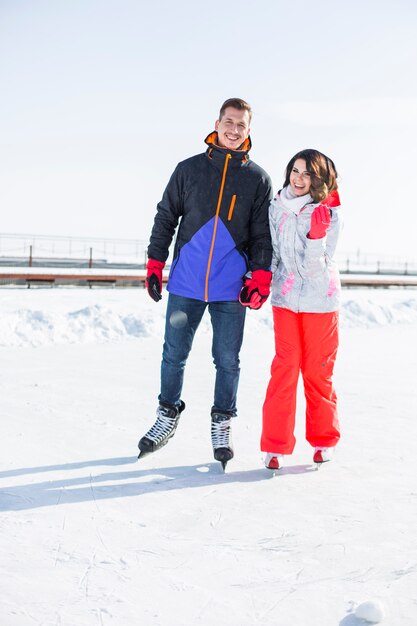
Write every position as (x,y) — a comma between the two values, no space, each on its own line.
(211,140)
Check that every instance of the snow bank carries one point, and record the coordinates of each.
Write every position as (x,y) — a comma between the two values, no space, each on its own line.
(38,317)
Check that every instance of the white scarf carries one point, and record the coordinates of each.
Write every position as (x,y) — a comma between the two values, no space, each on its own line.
(292,202)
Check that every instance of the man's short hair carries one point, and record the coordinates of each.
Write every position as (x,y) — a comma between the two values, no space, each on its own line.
(236,103)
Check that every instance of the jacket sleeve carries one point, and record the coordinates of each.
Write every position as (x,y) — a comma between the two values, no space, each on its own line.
(168,213)
(319,253)
(260,247)
(273,225)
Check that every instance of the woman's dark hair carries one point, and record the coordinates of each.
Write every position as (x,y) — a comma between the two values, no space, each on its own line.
(321,169)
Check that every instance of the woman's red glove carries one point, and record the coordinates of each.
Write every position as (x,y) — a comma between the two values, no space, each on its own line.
(320,222)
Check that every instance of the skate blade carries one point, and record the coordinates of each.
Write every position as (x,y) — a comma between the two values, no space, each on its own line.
(274,472)
(318,464)
(143,453)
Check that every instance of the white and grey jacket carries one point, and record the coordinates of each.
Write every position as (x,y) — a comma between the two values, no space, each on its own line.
(305,276)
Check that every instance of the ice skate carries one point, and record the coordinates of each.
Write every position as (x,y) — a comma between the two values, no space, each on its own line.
(274,461)
(221,438)
(167,417)
(322,455)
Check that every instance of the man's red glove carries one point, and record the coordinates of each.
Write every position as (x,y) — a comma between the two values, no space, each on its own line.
(320,222)
(154,279)
(255,290)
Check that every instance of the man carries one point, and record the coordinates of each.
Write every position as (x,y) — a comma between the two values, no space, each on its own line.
(220,199)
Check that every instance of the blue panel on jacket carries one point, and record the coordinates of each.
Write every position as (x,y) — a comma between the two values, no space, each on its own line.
(188,271)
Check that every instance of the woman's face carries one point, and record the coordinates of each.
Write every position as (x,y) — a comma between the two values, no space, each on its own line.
(300,179)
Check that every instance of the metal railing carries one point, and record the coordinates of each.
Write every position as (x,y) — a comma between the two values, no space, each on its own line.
(45,251)
(40,250)
(350,262)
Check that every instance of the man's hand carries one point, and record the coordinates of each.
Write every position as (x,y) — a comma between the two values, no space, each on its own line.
(255,290)
(154,279)
(320,222)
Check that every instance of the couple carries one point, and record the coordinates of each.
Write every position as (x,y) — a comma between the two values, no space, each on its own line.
(233,240)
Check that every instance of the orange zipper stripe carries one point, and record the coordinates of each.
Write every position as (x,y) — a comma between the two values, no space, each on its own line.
(216,219)
(232,206)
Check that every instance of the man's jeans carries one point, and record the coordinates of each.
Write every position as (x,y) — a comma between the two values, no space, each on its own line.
(183,317)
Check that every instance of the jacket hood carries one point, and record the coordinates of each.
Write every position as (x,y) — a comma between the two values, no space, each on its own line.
(332,200)
(211,141)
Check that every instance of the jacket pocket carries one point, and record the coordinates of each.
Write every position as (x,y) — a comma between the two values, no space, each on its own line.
(232,206)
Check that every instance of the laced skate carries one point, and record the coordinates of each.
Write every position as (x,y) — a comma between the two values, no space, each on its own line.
(221,437)
(167,417)
(274,460)
(322,455)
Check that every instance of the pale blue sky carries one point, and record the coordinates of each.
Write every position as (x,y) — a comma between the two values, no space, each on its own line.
(101,98)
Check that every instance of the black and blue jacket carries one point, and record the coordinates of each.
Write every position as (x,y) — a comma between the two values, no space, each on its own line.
(220,200)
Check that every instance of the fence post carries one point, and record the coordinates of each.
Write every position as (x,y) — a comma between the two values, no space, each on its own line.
(30,256)
(90,262)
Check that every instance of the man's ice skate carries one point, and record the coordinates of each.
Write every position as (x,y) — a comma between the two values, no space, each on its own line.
(274,461)
(221,437)
(322,455)
(167,417)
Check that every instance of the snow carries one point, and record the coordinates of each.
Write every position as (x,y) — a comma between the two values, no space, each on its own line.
(90,536)
(49,316)
(370,611)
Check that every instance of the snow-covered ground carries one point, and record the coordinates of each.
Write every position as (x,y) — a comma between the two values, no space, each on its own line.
(92,537)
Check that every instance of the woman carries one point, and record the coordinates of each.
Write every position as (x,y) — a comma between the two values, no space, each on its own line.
(305,224)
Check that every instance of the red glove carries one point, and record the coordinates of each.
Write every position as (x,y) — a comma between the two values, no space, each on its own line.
(255,290)
(154,279)
(320,222)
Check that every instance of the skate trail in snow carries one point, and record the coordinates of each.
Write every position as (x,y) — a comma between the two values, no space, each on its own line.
(91,536)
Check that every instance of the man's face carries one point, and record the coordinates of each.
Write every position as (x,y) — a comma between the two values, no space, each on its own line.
(233,128)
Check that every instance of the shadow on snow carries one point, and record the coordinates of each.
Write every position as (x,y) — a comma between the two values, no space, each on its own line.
(351,620)
(90,488)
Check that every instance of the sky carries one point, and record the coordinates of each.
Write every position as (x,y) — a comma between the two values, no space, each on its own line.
(102,98)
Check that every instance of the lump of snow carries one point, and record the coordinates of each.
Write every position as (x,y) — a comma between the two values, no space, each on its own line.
(371,611)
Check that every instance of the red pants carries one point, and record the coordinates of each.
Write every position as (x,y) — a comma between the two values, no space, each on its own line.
(306,342)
